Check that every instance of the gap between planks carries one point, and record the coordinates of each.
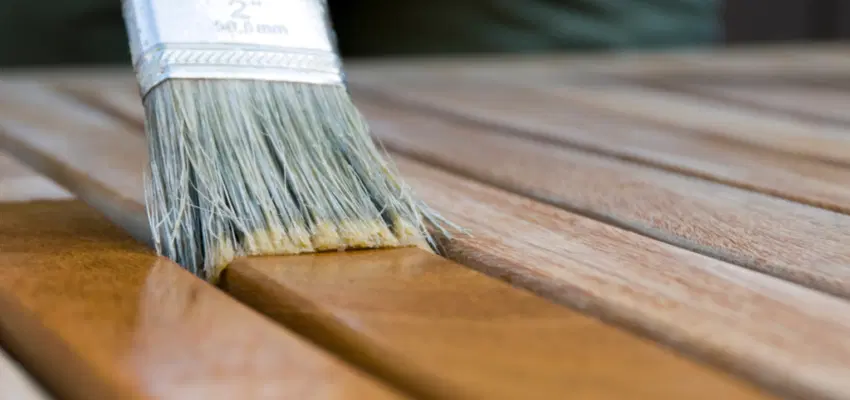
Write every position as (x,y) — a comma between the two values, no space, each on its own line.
(426,343)
(731,316)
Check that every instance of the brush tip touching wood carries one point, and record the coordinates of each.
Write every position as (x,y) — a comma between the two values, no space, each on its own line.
(246,168)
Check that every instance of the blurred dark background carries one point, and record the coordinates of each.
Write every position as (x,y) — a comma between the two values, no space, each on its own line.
(65,32)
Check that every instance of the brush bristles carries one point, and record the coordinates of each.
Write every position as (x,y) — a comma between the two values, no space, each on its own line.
(241,168)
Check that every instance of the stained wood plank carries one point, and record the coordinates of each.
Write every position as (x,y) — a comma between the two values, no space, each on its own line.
(743,320)
(432,326)
(15,383)
(96,315)
(410,314)
(543,117)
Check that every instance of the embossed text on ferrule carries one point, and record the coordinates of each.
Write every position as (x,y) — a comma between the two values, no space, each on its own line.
(220,39)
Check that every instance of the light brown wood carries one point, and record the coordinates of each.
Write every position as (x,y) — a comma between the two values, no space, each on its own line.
(429,325)
(456,333)
(528,113)
(743,320)
(783,335)
(17,384)
(713,118)
(792,241)
(819,104)
(19,183)
(96,315)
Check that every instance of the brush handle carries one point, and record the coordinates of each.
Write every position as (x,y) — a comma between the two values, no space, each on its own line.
(275,40)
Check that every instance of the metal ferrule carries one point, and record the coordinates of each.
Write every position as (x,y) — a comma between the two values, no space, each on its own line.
(278,40)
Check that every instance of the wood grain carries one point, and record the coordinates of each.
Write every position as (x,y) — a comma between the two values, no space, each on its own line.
(717,119)
(787,337)
(545,118)
(19,183)
(795,242)
(810,102)
(15,383)
(436,328)
(415,317)
(96,315)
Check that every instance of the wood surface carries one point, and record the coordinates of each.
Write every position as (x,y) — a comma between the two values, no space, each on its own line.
(95,315)
(18,182)
(415,317)
(547,119)
(816,103)
(791,339)
(802,244)
(429,325)
(713,118)
(16,383)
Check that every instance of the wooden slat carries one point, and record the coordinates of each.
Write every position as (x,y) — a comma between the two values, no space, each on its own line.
(95,315)
(815,103)
(18,183)
(792,241)
(429,325)
(783,335)
(15,383)
(713,118)
(545,118)
(412,315)
(792,339)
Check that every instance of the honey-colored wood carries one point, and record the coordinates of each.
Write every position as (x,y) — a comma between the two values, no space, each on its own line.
(96,315)
(17,384)
(415,317)
(427,324)
(745,321)
(527,113)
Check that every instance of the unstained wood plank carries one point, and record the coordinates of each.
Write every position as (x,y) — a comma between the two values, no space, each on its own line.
(16,383)
(543,117)
(812,102)
(427,324)
(19,183)
(799,243)
(713,118)
(793,339)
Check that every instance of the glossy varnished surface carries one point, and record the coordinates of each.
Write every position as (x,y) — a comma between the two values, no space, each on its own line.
(96,316)
(452,332)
